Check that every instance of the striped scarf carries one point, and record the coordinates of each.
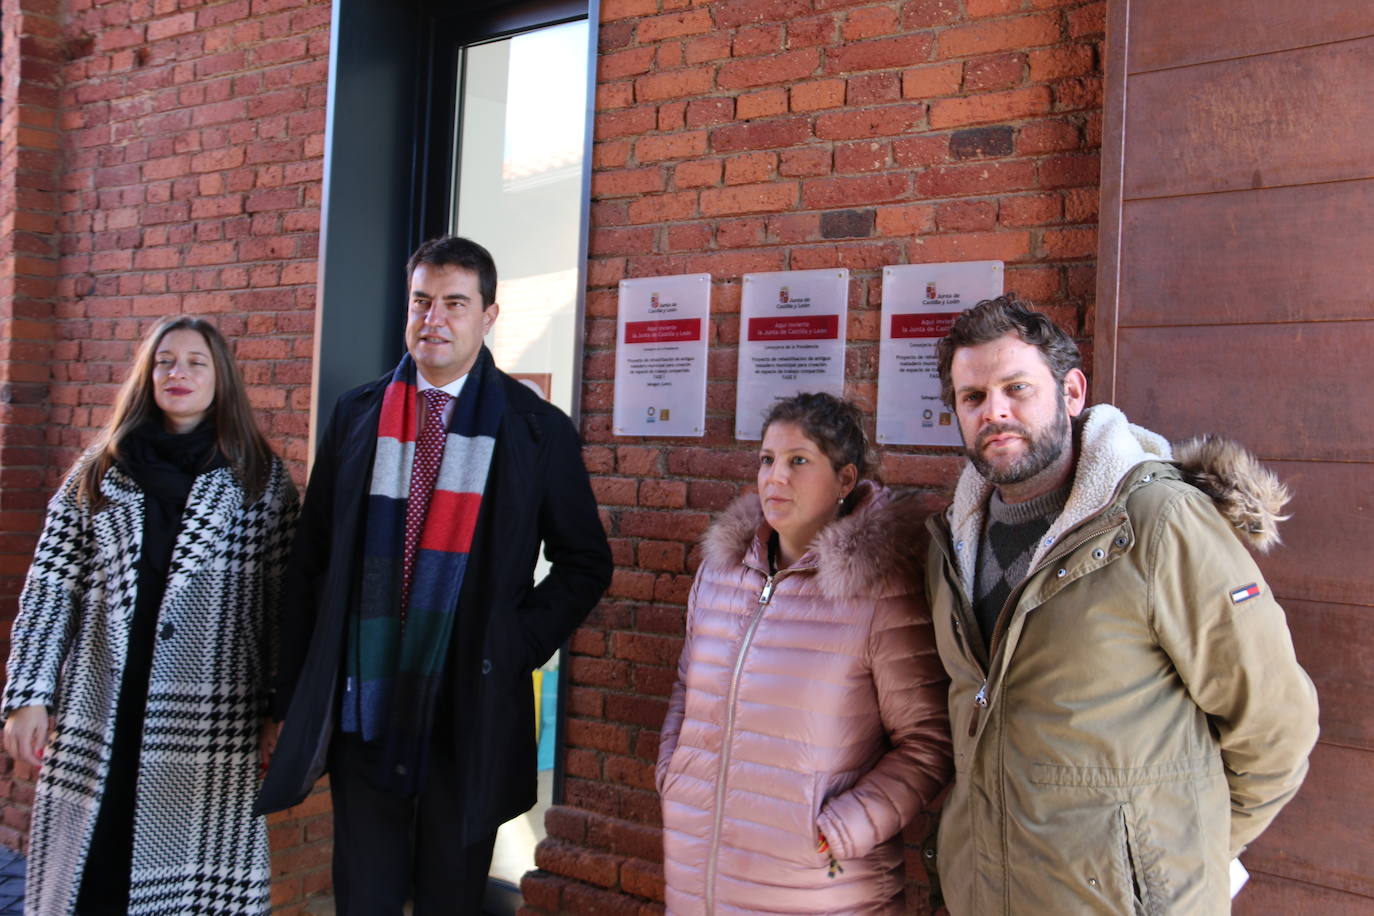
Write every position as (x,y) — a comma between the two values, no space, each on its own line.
(394,661)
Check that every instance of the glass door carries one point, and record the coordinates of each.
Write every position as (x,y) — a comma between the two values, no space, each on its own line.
(519,191)
(519,188)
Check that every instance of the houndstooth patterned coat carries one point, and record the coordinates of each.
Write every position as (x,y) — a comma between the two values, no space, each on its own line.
(197,848)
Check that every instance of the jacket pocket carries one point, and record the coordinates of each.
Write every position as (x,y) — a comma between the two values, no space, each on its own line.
(1133,884)
(504,662)
(810,855)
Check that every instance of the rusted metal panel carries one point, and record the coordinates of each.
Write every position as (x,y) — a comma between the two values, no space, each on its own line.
(1171,33)
(1327,557)
(1248,313)
(1265,895)
(1329,535)
(1288,391)
(1280,254)
(1109,232)
(1322,837)
(1335,643)
(1290,118)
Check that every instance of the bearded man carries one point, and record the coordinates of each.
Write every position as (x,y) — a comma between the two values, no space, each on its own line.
(1127,709)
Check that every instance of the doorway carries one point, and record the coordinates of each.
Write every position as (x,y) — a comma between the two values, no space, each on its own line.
(519,186)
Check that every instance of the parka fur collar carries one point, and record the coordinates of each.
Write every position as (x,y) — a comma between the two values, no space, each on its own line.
(1246,493)
(876,548)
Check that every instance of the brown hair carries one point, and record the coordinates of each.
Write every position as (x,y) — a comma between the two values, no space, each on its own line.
(993,318)
(236,432)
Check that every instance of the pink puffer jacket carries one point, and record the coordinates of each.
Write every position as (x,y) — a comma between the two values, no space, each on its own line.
(812,702)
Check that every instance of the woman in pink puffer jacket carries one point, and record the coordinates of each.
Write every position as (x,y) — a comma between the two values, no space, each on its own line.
(808,722)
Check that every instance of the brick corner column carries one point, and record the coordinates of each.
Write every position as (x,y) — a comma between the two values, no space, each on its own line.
(30,166)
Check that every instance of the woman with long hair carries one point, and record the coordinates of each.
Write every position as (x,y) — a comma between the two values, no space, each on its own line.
(145,631)
(808,722)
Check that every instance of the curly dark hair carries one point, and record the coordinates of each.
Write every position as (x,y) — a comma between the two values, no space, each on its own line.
(992,318)
(834,424)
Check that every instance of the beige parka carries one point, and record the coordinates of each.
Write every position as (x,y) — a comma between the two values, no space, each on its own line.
(809,700)
(1141,716)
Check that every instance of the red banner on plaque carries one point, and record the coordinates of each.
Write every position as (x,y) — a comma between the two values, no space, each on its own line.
(800,327)
(933,324)
(667,330)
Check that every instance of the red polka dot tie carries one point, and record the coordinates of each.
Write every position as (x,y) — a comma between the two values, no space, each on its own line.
(429,452)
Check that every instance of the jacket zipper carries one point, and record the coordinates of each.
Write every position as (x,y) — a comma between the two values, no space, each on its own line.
(961,624)
(980,699)
(765,596)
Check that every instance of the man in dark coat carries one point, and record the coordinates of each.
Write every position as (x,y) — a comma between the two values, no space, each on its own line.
(412,621)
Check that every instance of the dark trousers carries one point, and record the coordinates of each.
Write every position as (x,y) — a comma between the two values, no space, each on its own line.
(388,849)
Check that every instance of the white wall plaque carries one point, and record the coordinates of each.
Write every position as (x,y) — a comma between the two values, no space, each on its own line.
(920,302)
(660,356)
(792,335)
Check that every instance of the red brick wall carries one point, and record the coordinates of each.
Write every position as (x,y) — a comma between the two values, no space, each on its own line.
(758,135)
(160,157)
(29,171)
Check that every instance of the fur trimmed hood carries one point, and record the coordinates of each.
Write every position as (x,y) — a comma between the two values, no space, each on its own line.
(878,546)
(1246,493)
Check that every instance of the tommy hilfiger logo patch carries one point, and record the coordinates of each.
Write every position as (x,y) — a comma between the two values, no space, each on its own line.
(1245,593)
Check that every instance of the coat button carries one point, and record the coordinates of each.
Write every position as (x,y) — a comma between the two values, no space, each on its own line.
(168,631)
(1121,540)
(1092,882)
(1099,553)
(486,666)
(1062,573)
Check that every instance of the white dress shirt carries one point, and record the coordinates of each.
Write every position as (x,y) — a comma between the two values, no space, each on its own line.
(452,388)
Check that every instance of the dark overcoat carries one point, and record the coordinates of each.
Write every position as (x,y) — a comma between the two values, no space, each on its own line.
(537,491)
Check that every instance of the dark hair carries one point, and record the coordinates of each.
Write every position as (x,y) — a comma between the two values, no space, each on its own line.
(834,424)
(236,432)
(456,251)
(991,319)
